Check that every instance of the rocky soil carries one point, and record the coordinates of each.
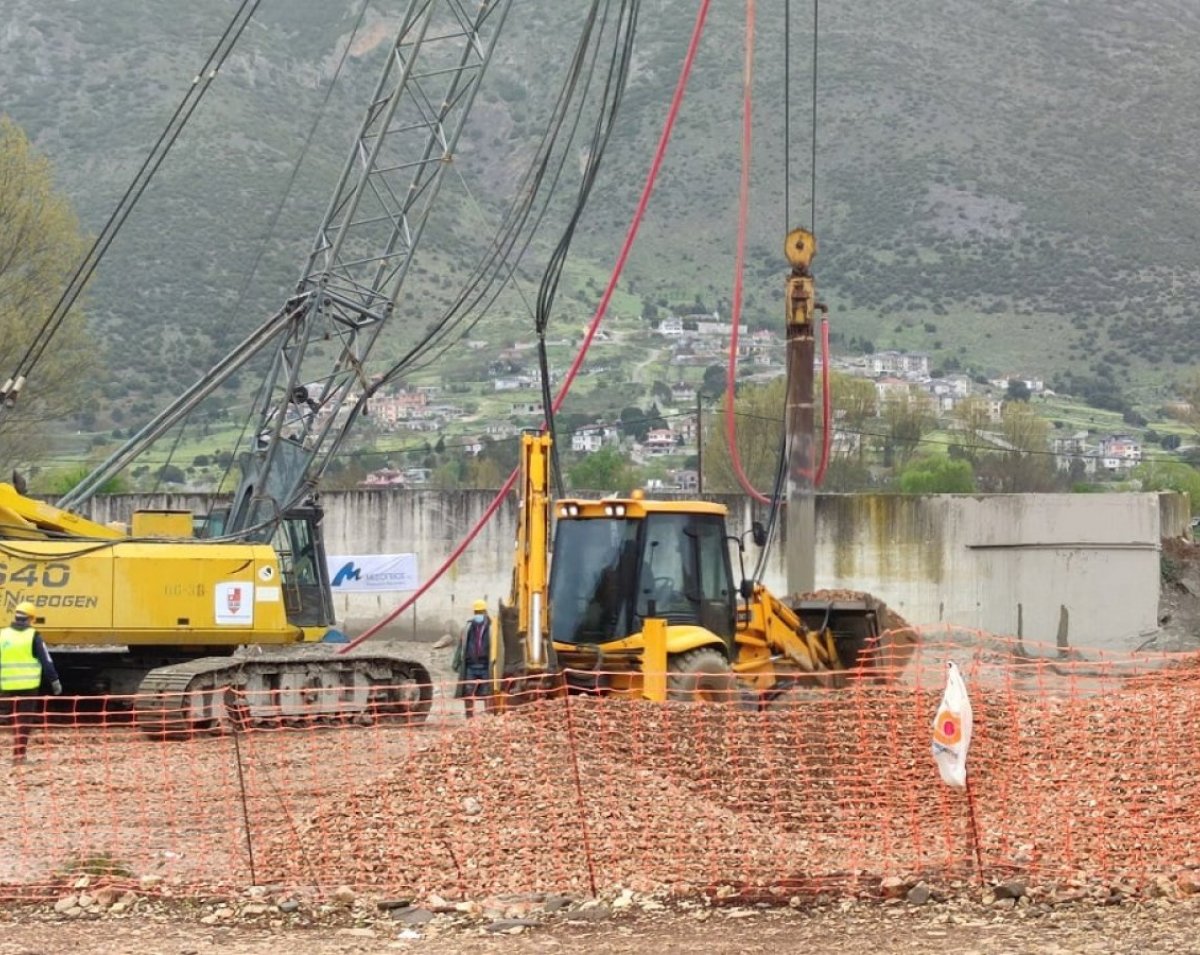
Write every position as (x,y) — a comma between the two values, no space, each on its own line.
(481,813)
(1179,603)
(619,924)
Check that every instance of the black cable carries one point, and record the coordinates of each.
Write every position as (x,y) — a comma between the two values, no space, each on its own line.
(812,219)
(179,119)
(614,87)
(483,284)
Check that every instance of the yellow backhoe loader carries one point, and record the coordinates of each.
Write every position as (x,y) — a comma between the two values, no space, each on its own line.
(640,598)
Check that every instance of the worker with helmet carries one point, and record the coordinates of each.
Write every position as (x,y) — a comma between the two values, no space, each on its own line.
(473,657)
(25,665)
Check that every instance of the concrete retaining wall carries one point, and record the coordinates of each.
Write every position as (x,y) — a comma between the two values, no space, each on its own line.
(995,562)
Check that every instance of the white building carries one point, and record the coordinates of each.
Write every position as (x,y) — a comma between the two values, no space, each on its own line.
(912,365)
(587,441)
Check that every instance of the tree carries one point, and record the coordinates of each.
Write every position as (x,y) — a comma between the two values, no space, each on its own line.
(937,474)
(1026,465)
(758,425)
(714,380)
(64,481)
(1170,476)
(484,472)
(1189,410)
(40,245)
(637,423)
(604,470)
(171,474)
(505,455)
(1017,390)
(907,418)
(855,402)
(974,418)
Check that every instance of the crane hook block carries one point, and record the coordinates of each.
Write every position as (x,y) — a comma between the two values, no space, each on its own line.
(800,246)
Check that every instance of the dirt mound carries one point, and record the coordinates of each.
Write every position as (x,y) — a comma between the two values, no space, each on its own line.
(507,804)
(1179,598)
(836,790)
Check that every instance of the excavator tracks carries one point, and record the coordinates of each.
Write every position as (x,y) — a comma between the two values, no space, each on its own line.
(285,689)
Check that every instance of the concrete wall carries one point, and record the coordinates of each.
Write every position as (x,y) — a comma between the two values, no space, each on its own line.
(970,560)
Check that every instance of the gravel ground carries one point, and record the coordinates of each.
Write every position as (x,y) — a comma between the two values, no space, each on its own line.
(853,929)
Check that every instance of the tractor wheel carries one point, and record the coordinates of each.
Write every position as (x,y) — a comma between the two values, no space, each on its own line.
(701,675)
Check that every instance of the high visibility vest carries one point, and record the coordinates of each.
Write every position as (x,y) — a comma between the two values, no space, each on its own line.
(19,668)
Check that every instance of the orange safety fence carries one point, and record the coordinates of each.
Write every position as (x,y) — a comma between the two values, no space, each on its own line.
(1083,769)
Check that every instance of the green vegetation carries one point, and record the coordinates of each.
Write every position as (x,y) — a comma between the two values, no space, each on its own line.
(937,475)
(1038,224)
(39,246)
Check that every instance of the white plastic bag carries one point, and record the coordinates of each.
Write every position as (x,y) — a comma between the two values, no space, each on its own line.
(952,730)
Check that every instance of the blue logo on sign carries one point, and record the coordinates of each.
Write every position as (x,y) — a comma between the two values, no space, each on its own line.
(348,572)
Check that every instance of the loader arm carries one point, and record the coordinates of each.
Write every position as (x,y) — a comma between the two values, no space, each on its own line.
(531,561)
(770,631)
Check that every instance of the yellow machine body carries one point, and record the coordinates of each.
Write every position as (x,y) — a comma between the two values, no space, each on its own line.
(138,592)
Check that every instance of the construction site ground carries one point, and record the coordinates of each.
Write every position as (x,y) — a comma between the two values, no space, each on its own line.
(961,924)
(961,928)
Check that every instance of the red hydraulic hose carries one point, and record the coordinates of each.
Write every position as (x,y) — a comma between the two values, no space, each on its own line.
(735,457)
(826,406)
(601,309)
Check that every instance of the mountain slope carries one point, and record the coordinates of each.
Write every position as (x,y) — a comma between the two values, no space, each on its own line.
(1008,186)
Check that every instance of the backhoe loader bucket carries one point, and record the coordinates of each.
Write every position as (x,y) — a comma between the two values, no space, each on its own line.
(854,624)
(869,636)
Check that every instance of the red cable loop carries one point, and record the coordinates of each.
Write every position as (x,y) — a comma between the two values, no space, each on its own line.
(735,457)
(826,406)
(601,309)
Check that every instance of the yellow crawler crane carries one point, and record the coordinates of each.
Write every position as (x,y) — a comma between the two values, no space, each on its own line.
(159,608)
(156,612)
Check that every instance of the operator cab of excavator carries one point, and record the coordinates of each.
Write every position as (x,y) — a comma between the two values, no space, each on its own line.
(613,570)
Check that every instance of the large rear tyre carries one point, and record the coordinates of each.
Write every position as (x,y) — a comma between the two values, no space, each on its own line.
(700,676)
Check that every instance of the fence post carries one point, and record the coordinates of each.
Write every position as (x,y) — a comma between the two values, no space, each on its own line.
(237,753)
(573,748)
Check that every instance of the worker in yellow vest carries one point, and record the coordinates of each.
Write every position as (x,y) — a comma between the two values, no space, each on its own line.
(25,664)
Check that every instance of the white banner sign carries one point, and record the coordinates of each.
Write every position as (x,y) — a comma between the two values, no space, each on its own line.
(372,573)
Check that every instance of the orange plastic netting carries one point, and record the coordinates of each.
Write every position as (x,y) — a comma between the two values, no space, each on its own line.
(1082,767)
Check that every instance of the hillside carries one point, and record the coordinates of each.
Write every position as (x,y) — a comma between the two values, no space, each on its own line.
(1006,186)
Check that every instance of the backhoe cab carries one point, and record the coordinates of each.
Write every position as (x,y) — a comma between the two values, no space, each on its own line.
(629,570)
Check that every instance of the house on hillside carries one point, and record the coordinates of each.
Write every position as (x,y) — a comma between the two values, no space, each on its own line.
(1036,386)
(1120,452)
(587,441)
(891,387)
(659,441)
(914,365)
(384,478)
(687,479)
(683,393)
(1071,448)
(512,383)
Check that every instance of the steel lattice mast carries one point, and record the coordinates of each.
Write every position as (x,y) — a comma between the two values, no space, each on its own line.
(352,281)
